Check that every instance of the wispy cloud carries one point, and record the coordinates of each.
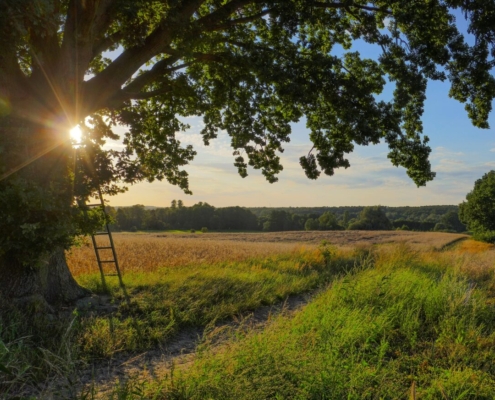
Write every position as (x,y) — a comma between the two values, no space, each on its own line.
(372,179)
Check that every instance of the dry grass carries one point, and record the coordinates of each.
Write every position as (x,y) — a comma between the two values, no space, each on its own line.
(474,247)
(338,238)
(149,252)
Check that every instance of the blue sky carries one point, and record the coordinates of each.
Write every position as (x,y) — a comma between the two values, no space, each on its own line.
(460,154)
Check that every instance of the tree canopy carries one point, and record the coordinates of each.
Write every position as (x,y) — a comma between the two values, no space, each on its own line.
(247,67)
(478,211)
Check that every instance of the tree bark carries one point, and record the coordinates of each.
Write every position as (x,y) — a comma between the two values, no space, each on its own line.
(36,214)
(50,281)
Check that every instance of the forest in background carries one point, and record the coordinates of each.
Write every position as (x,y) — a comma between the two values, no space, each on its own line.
(205,217)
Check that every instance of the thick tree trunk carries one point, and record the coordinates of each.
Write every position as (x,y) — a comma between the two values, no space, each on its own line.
(50,281)
(36,213)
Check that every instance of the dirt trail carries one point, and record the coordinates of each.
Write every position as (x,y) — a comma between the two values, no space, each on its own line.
(178,353)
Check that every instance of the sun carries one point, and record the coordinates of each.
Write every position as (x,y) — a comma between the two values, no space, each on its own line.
(76,135)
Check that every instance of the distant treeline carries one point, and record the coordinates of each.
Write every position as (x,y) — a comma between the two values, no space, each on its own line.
(178,216)
(203,216)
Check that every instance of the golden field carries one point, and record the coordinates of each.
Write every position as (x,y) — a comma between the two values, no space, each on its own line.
(145,252)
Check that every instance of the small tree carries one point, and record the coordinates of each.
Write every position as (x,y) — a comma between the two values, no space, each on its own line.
(440,227)
(478,211)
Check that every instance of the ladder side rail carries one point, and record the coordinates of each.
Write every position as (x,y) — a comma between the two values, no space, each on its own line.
(100,265)
(112,245)
(82,204)
(95,245)
(117,267)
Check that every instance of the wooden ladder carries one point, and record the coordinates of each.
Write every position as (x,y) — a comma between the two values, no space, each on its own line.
(105,231)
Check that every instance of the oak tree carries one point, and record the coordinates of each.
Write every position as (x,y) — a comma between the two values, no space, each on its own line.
(247,67)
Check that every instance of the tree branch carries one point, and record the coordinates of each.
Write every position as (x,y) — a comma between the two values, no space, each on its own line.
(103,86)
(143,95)
(344,5)
(239,21)
(106,42)
(133,91)
(85,22)
(224,12)
(160,68)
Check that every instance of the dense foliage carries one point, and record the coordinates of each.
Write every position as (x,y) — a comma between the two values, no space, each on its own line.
(203,215)
(249,68)
(200,215)
(478,211)
(371,218)
(409,213)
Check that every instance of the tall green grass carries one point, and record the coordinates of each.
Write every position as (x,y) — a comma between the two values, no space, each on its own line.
(37,347)
(171,299)
(410,321)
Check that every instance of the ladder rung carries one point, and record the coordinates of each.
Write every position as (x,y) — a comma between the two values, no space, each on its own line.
(103,248)
(107,261)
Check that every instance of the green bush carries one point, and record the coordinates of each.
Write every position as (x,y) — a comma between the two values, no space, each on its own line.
(486,236)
